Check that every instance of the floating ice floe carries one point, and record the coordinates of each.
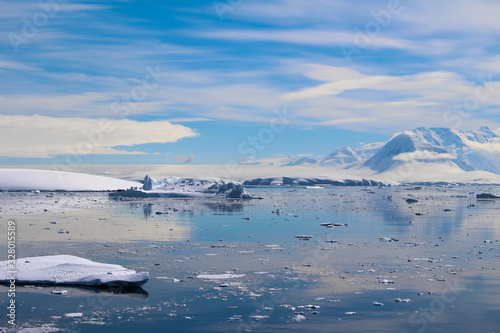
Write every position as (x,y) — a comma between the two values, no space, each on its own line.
(166,278)
(388,239)
(59,292)
(487,196)
(219,276)
(70,270)
(378,304)
(304,237)
(332,224)
(402,300)
(298,318)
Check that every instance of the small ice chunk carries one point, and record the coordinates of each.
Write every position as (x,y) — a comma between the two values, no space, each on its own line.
(259,317)
(304,237)
(166,278)
(402,300)
(219,276)
(332,224)
(298,318)
(59,292)
(388,239)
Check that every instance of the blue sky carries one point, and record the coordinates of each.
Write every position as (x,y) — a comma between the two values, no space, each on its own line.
(166,82)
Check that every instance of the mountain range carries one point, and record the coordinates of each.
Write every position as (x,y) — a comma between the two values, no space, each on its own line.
(477,150)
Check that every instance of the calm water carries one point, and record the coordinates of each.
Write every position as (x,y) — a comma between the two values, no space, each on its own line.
(440,262)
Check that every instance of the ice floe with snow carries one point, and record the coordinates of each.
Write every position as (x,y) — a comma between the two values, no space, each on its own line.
(69,270)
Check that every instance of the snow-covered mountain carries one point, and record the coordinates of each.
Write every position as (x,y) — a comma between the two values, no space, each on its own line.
(477,150)
(468,150)
(347,156)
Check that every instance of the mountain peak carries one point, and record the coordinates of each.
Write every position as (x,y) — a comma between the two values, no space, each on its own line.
(401,143)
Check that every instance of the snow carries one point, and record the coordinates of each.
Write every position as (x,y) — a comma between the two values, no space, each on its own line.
(70,270)
(51,180)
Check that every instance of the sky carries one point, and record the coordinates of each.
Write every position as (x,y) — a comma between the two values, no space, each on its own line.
(213,82)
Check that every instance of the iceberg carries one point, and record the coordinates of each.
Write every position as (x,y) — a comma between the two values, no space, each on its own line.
(174,187)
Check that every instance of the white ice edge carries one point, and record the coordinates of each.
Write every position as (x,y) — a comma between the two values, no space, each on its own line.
(52,180)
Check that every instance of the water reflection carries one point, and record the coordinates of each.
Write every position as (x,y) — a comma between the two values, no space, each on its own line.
(171,206)
(137,293)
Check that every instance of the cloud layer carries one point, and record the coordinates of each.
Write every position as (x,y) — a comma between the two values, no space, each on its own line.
(40,136)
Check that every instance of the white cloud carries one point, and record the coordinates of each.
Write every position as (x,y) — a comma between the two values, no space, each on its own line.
(40,136)
(12,65)
(303,37)
(492,148)
(422,156)
(342,80)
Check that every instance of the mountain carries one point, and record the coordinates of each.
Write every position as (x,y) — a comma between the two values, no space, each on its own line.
(303,161)
(347,156)
(406,147)
(468,150)
(460,151)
